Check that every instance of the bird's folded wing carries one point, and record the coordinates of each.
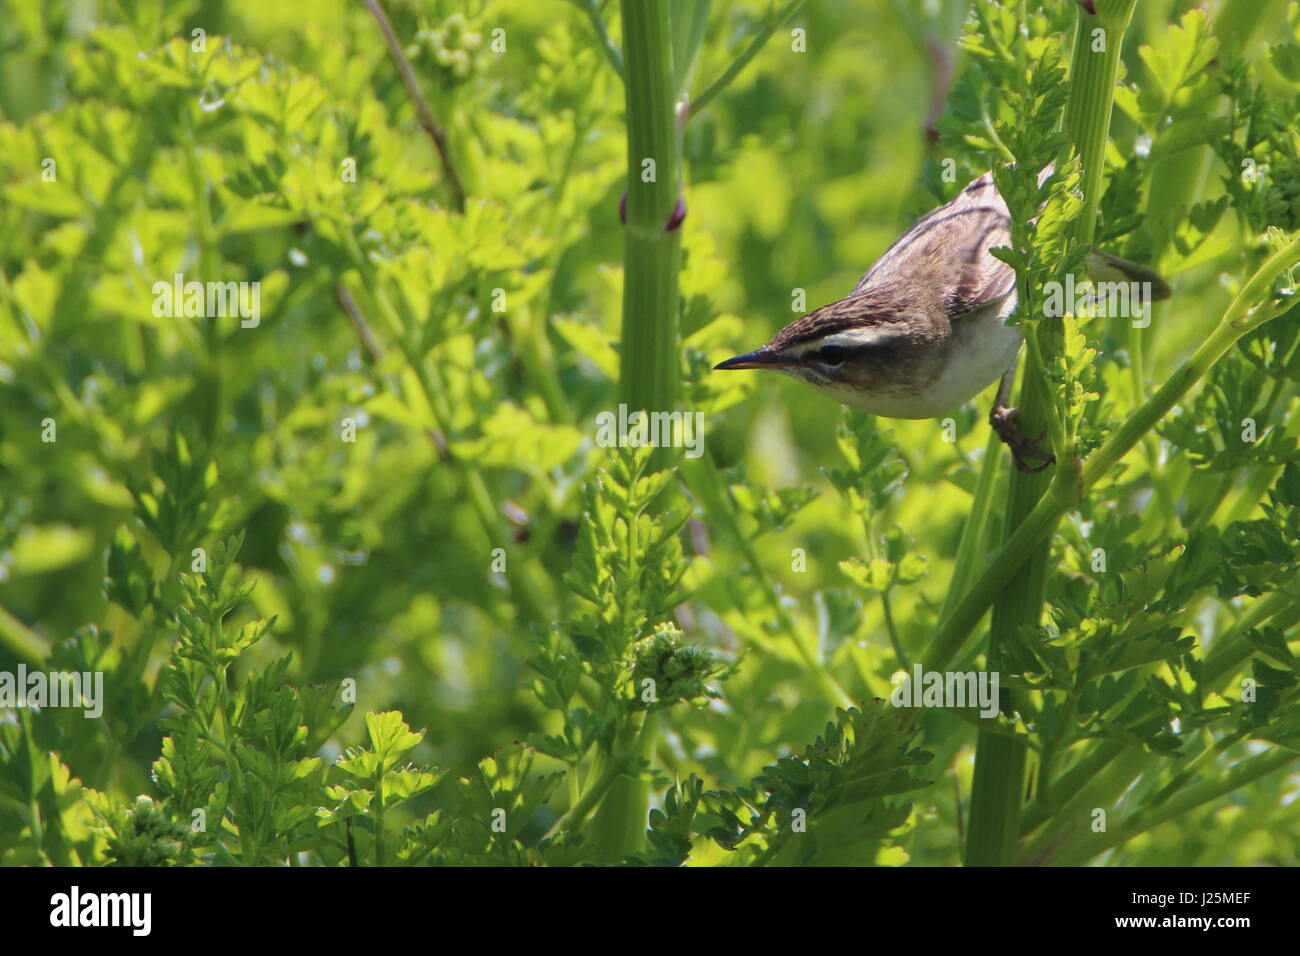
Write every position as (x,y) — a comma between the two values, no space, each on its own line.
(947,251)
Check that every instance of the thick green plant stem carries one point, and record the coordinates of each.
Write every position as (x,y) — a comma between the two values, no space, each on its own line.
(620,824)
(1000,760)
(974,542)
(1247,312)
(998,785)
(995,799)
(648,363)
(1092,93)
(633,740)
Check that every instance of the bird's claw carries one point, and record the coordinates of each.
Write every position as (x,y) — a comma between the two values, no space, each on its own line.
(1004,422)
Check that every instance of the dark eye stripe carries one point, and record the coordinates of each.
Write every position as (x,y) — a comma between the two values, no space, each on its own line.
(833,354)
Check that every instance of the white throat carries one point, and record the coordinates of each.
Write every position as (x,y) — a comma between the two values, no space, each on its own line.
(983,348)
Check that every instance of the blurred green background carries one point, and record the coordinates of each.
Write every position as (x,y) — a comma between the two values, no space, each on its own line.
(225,165)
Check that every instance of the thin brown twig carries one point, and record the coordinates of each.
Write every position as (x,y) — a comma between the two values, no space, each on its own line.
(364,332)
(375,349)
(430,124)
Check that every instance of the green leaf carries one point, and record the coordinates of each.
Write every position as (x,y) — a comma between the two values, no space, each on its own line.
(390,737)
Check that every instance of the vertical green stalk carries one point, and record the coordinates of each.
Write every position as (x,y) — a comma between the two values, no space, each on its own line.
(975,532)
(997,790)
(648,363)
(620,823)
(379,815)
(225,714)
(1000,760)
(1087,115)
(648,368)
(1251,308)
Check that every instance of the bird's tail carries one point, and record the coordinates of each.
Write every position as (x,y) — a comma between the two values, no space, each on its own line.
(1106,267)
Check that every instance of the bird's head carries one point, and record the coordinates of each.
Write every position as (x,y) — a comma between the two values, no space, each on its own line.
(852,349)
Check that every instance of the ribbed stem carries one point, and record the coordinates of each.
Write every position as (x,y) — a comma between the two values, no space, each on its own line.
(648,363)
(1092,82)
(998,785)
(975,532)
(620,824)
(1242,316)
(648,369)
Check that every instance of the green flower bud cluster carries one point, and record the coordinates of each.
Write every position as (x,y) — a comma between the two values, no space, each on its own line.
(449,49)
(145,837)
(678,670)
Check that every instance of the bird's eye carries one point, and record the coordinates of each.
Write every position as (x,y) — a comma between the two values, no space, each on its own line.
(833,355)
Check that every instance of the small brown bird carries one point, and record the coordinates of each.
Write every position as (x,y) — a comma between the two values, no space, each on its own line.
(924,331)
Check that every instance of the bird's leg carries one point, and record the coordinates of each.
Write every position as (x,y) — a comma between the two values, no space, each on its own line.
(1003,419)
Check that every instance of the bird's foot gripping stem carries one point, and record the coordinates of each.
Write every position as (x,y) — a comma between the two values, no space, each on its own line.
(1023,449)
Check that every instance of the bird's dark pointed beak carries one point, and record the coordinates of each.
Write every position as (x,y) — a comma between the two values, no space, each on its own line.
(759,358)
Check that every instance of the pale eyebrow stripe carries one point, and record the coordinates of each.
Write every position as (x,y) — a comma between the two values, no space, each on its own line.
(852,339)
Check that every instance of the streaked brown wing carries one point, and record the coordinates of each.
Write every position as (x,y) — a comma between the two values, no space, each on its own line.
(948,248)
